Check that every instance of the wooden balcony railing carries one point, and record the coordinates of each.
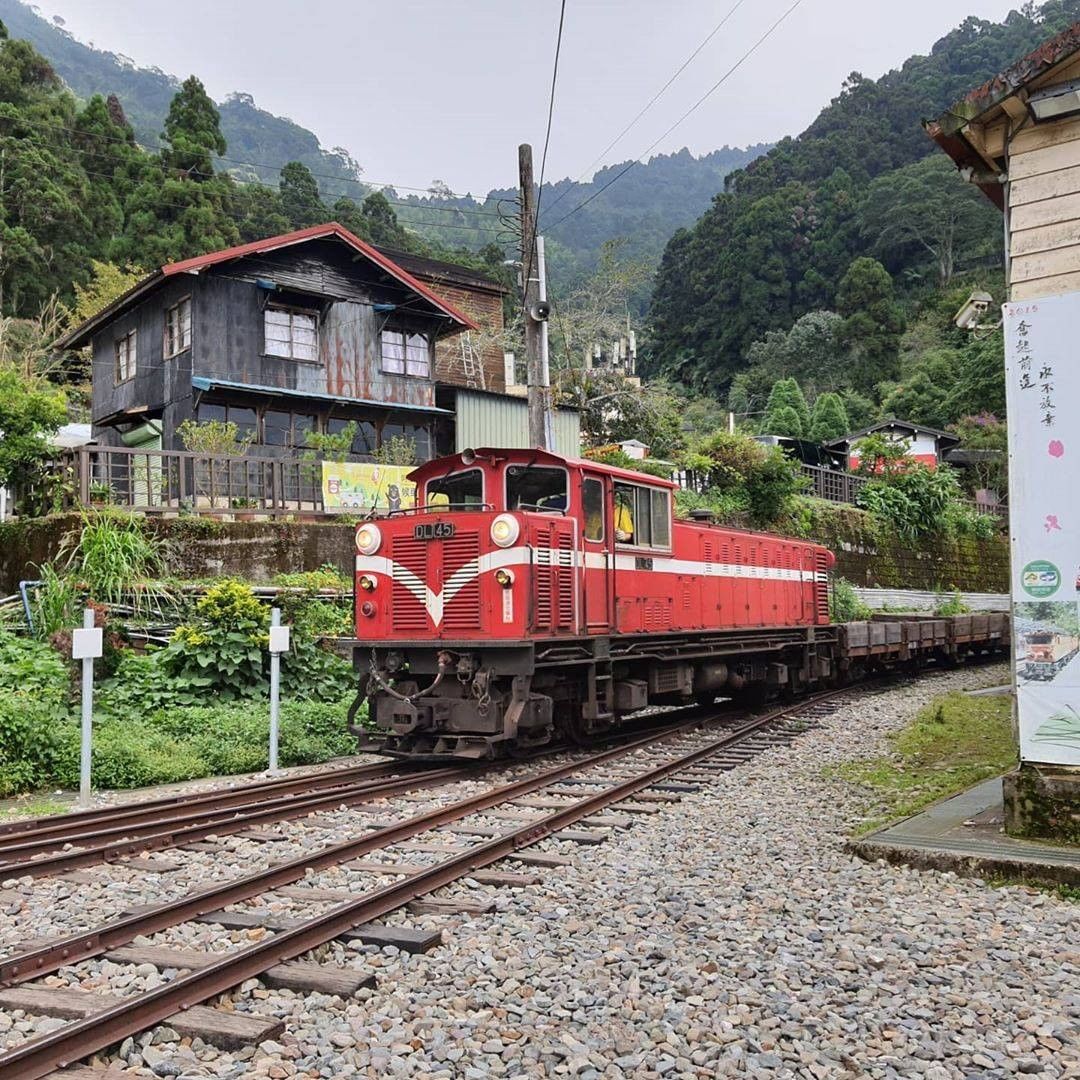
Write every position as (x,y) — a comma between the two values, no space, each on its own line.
(179,480)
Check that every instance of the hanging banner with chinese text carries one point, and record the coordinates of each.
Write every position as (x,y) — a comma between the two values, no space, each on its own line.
(1042,371)
(362,487)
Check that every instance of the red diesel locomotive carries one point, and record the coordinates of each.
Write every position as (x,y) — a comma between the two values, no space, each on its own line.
(530,597)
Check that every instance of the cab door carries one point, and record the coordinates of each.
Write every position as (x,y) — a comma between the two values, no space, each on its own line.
(596,548)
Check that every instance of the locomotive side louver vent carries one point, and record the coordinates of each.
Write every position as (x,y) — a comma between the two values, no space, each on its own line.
(460,555)
(553,578)
(821,585)
(410,565)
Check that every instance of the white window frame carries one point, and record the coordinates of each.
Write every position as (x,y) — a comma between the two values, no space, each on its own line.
(407,363)
(127,345)
(289,348)
(176,333)
(664,493)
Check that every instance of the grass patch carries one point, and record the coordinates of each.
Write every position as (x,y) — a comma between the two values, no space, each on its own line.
(33,807)
(954,742)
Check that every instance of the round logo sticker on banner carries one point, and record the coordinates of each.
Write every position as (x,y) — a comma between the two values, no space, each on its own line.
(1040,578)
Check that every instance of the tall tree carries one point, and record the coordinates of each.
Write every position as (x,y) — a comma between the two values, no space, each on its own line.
(829,420)
(928,208)
(44,229)
(873,323)
(193,132)
(300,201)
(786,412)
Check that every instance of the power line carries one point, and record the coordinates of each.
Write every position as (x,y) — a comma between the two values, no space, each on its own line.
(543,156)
(693,108)
(651,102)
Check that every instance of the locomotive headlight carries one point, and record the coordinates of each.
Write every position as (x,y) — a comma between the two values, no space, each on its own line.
(366,583)
(504,577)
(368,539)
(505,530)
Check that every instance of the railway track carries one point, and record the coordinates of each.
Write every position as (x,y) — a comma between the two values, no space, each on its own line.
(501,823)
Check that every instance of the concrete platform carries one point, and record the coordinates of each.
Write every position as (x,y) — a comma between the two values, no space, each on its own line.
(965,834)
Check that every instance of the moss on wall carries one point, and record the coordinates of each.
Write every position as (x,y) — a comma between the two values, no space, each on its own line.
(1043,802)
(866,554)
(870,555)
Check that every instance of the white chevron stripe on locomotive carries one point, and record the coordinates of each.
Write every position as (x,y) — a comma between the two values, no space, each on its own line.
(435,603)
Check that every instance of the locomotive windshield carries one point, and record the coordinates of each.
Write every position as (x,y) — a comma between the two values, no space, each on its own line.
(529,487)
(459,491)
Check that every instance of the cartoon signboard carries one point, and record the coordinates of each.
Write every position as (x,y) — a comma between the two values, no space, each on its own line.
(362,487)
(1043,395)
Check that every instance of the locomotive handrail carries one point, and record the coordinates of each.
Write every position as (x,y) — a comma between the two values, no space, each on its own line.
(429,507)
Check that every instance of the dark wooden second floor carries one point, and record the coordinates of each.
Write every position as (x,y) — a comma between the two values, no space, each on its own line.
(316,316)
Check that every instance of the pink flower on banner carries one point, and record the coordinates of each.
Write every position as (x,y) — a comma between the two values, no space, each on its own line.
(1056,448)
(1051,523)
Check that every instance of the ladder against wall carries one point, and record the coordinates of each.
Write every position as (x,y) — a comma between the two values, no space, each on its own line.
(471,363)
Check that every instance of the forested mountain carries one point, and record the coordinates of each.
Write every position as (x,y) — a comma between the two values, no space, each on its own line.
(252,134)
(641,211)
(860,217)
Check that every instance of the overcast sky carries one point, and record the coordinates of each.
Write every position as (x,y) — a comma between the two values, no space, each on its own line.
(425,89)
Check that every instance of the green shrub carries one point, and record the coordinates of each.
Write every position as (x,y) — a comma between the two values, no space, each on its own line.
(126,753)
(224,650)
(844,603)
(326,576)
(33,668)
(114,557)
(951,605)
(759,478)
(31,733)
(142,682)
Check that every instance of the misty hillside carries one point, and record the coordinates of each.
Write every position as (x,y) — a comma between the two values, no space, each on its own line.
(644,208)
(253,134)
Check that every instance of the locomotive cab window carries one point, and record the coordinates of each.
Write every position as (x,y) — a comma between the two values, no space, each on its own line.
(459,491)
(642,516)
(592,508)
(529,487)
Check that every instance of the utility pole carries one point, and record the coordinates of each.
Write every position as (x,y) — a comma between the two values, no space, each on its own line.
(534,303)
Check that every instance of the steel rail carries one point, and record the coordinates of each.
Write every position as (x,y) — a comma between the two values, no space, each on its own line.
(182,832)
(46,959)
(39,1056)
(73,822)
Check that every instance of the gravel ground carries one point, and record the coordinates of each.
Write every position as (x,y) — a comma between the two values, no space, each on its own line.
(729,934)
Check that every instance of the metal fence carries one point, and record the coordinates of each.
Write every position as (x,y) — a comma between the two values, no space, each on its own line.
(175,480)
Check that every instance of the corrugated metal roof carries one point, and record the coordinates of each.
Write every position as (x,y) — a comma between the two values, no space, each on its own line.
(78,337)
(200,382)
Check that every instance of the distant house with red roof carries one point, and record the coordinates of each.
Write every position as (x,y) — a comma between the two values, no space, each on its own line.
(298,333)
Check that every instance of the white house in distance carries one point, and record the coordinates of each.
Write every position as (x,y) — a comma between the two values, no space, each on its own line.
(925,444)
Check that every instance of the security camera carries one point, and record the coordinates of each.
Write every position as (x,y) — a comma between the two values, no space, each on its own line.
(540,311)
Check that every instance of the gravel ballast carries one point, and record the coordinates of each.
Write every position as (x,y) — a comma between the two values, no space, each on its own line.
(728,934)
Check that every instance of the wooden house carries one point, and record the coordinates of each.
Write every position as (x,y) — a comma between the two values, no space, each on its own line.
(293,334)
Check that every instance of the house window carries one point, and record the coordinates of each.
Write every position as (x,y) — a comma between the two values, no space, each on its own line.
(642,516)
(178,328)
(125,358)
(405,354)
(245,419)
(286,428)
(291,333)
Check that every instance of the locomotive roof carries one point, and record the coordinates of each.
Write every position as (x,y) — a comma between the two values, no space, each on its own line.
(536,457)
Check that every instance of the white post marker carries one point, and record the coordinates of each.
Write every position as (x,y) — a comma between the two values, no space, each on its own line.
(279,643)
(86,645)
